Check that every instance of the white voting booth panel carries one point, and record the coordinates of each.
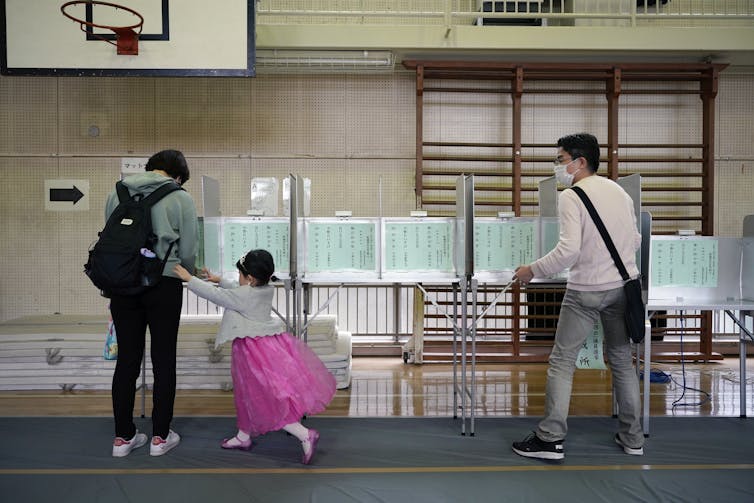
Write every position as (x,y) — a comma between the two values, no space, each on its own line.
(502,244)
(391,250)
(336,250)
(418,249)
(704,273)
(241,234)
(698,270)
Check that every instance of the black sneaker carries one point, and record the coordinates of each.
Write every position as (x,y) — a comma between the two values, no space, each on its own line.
(533,447)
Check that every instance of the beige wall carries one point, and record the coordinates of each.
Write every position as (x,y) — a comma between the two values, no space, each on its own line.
(345,132)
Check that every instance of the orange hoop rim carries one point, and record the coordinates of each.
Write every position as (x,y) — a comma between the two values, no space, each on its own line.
(138,25)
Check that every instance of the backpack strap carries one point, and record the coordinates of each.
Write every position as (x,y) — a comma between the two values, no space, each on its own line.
(123,193)
(151,200)
(603,231)
(160,192)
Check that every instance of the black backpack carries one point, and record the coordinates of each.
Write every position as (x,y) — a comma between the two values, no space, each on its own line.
(122,261)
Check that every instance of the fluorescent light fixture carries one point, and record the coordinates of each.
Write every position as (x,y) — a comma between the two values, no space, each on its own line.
(289,61)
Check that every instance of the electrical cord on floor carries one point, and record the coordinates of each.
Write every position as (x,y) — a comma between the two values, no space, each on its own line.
(706,396)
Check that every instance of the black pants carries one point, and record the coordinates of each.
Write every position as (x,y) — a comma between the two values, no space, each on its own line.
(159,309)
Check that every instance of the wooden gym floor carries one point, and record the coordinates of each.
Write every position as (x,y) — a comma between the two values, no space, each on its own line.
(385,386)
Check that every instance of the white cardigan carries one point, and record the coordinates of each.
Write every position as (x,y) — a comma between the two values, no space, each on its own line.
(581,246)
(248,309)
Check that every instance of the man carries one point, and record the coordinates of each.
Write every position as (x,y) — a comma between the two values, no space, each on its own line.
(174,223)
(594,291)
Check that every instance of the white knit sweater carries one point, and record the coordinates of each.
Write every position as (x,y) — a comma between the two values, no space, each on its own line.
(581,246)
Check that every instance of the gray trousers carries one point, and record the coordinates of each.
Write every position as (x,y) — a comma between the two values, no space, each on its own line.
(578,313)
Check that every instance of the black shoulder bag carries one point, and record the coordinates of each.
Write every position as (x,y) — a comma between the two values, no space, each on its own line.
(636,311)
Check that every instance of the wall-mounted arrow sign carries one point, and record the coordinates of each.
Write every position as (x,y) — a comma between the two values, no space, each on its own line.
(73,195)
(66,195)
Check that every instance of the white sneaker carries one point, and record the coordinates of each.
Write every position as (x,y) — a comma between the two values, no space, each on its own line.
(160,446)
(634,451)
(123,447)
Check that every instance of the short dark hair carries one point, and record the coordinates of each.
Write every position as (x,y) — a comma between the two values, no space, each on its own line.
(171,162)
(582,145)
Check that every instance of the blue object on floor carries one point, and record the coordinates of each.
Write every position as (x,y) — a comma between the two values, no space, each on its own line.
(657,376)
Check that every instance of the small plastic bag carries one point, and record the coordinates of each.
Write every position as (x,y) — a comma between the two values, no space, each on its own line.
(111,343)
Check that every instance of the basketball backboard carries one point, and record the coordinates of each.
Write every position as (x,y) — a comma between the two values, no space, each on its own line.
(178,38)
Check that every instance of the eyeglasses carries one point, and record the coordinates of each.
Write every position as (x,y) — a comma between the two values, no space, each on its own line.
(559,162)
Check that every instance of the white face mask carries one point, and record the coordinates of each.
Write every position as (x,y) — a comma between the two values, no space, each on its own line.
(563,176)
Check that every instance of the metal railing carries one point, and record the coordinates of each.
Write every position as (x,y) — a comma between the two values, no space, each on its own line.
(550,12)
(371,313)
(385,313)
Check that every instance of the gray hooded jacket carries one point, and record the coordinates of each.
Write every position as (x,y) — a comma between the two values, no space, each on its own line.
(173,220)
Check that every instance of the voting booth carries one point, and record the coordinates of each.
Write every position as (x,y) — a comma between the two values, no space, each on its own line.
(681,272)
(705,273)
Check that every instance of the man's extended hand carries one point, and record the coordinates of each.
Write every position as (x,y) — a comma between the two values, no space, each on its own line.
(524,274)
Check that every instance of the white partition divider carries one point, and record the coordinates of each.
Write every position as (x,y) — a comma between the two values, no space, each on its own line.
(747,266)
(212,242)
(632,185)
(547,195)
(212,223)
(465,225)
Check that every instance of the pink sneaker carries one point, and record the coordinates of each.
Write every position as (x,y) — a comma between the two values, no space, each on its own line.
(237,443)
(313,439)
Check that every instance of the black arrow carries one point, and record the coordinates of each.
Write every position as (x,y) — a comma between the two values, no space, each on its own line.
(73,194)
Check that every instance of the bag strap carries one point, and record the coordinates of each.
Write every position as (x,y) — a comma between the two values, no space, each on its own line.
(162,191)
(159,193)
(122,190)
(167,255)
(603,231)
(151,200)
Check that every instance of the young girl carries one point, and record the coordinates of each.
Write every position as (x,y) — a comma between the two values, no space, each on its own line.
(277,379)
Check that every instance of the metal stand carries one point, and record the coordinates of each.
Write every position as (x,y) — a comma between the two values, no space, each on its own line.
(466,387)
(144,384)
(744,337)
(647,357)
(468,333)
(307,306)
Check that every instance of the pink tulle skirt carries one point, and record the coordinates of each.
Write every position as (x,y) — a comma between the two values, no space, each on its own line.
(277,379)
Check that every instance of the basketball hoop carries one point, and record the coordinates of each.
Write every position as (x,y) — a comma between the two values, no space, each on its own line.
(126,39)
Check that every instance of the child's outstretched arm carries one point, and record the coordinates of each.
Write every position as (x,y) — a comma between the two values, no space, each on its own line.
(220,296)
(183,273)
